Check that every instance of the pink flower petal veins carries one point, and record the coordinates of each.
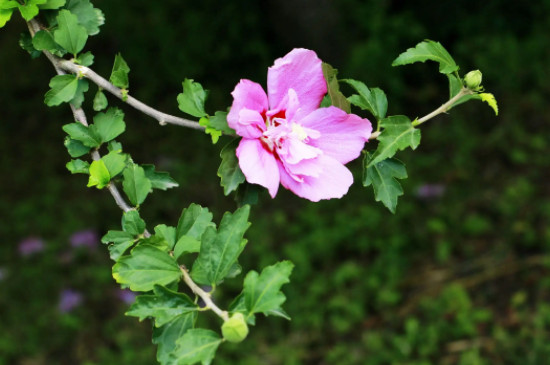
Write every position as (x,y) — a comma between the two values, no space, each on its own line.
(300,70)
(249,95)
(258,164)
(342,135)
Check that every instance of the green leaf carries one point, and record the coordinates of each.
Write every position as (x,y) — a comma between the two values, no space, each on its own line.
(229,171)
(115,162)
(428,50)
(5,16)
(374,100)
(383,178)
(88,16)
(159,180)
(100,101)
(30,8)
(167,233)
(220,250)
(136,185)
(336,97)
(214,133)
(132,223)
(99,175)
(63,89)
(192,100)
(119,75)
(121,241)
(163,306)
(79,132)
(75,148)
(248,194)
(166,336)
(398,134)
(193,222)
(43,40)
(186,244)
(219,122)
(262,293)
(52,4)
(114,146)
(490,99)
(146,267)
(82,87)
(69,34)
(196,345)
(8,4)
(78,167)
(85,59)
(109,125)
(25,42)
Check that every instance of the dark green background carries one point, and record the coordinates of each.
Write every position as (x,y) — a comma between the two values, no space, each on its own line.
(459,279)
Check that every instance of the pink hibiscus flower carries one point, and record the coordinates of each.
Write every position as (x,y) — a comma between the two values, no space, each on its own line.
(288,139)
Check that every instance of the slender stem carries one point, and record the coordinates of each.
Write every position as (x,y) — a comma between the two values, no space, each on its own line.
(445,107)
(201,293)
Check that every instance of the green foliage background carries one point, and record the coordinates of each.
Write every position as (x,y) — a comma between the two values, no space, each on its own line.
(458,279)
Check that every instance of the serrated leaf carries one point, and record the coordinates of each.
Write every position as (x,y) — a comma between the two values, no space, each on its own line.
(70,35)
(229,171)
(43,40)
(85,59)
(262,293)
(114,236)
(114,146)
(82,87)
(398,134)
(196,345)
(30,8)
(116,250)
(163,306)
(115,162)
(490,99)
(248,194)
(120,242)
(192,100)
(166,336)
(83,134)
(63,89)
(145,267)
(214,133)
(119,74)
(100,101)
(186,244)
(383,178)
(374,100)
(159,179)
(132,223)
(99,175)
(88,16)
(109,125)
(167,233)
(193,221)
(219,122)
(136,185)
(333,88)
(5,16)
(220,250)
(25,42)
(428,50)
(75,148)
(78,167)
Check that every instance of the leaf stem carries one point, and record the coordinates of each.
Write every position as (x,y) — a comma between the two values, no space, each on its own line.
(201,293)
(445,107)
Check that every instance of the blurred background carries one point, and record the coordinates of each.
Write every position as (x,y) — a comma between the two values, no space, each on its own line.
(460,275)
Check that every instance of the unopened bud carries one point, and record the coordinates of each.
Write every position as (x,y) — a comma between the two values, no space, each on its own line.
(473,79)
(235,328)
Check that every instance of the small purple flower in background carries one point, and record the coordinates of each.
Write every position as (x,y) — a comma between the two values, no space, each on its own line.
(126,295)
(85,238)
(68,300)
(430,191)
(30,245)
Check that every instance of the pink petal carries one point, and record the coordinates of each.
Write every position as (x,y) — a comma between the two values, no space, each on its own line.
(249,95)
(333,182)
(293,151)
(300,70)
(251,123)
(258,164)
(343,135)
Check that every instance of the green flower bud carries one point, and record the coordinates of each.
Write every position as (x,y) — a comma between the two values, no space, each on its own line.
(235,328)
(473,79)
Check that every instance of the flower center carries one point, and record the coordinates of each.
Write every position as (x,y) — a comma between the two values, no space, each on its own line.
(299,131)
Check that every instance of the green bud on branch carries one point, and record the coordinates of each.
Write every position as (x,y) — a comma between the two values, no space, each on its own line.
(472,80)
(235,328)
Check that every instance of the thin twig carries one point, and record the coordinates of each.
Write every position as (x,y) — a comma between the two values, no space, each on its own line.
(445,107)
(201,293)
